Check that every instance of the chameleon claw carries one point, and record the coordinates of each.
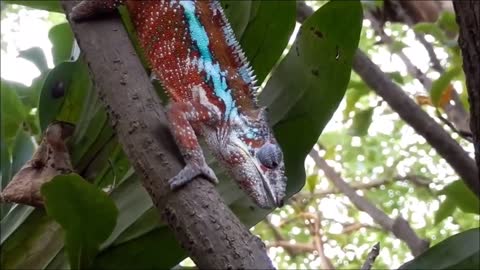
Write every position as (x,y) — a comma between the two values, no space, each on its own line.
(188,173)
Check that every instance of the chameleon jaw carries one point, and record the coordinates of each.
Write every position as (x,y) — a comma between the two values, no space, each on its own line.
(269,200)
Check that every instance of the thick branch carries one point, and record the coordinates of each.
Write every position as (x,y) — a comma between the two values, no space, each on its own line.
(210,233)
(468,18)
(399,226)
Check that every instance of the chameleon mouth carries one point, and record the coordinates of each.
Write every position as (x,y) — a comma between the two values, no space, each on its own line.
(267,187)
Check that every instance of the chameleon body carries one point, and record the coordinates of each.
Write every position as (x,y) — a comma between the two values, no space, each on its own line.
(192,49)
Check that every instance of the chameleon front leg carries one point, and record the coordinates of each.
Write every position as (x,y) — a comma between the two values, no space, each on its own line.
(89,8)
(186,121)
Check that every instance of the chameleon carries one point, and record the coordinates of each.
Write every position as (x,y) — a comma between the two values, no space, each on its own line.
(192,49)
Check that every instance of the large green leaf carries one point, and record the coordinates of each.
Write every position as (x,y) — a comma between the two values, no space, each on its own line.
(13,219)
(445,210)
(271,21)
(63,93)
(238,14)
(157,249)
(12,111)
(23,149)
(6,164)
(87,215)
(29,246)
(53,93)
(442,83)
(61,37)
(460,251)
(309,83)
(463,197)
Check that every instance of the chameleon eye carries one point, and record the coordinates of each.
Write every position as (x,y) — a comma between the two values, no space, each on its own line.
(270,155)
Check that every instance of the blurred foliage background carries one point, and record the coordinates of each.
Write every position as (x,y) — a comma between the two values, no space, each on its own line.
(365,141)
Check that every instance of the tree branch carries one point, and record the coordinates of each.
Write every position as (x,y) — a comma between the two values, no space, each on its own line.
(468,18)
(206,228)
(419,120)
(412,114)
(399,226)
(297,247)
(372,256)
(315,230)
(418,180)
(455,111)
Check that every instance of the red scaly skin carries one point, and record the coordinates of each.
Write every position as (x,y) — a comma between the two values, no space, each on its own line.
(191,48)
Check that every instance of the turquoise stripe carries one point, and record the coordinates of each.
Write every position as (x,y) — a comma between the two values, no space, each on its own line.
(213,70)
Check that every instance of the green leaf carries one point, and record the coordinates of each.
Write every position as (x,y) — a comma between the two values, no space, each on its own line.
(53,93)
(31,245)
(22,152)
(61,36)
(396,77)
(361,122)
(460,251)
(87,215)
(397,46)
(431,29)
(48,5)
(36,56)
(307,86)
(143,252)
(13,111)
(462,196)
(13,219)
(441,84)
(6,162)
(132,201)
(447,21)
(445,210)
(238,14)
(356,90)
(311,182)
(273,21)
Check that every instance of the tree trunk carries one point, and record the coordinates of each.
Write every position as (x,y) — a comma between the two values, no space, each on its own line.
(468,18)
(206,228)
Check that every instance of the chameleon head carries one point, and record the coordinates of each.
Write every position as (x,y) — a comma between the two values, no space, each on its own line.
(255,160)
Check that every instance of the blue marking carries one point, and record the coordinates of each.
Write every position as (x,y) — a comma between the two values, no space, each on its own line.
(213,71)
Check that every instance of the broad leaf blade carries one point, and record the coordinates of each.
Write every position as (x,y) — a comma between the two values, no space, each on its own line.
(61,37)
(461,251)
(306,88)
(273,21)
(87,215)
(463,197)
(12,111)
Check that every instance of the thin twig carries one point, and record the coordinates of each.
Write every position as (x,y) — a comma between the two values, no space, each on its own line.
(398,226)
(372,256)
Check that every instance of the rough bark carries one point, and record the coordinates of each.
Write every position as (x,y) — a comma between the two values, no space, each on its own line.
(398,226)
(468,18)
(206,228)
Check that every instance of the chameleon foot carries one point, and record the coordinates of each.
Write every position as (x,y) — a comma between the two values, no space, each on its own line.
(191,171)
